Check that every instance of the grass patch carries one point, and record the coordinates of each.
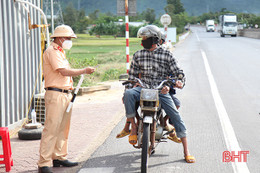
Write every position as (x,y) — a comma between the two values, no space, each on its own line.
(108,53)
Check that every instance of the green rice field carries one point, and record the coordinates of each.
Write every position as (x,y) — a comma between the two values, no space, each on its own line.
(107,54)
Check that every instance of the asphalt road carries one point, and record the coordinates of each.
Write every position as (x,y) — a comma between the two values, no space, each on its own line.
(220,106)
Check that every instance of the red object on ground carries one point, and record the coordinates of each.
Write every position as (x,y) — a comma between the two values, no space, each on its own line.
(7,153)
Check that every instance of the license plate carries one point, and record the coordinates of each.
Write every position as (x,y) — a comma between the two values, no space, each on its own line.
(148,119)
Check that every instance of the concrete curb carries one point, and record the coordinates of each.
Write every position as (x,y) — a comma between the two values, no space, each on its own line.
(183,36)
(86,90)
(250,33)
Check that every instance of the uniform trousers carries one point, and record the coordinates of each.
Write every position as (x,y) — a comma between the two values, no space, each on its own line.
(54,141)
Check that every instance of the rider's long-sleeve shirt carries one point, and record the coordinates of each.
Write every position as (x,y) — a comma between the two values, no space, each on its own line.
(153,66)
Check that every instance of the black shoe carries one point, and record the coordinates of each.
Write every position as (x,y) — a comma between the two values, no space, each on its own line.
(44,169)
(66,163)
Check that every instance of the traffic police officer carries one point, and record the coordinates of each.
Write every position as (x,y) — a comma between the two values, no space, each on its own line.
(58,84)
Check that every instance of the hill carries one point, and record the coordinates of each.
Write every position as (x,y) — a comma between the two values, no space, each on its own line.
(192,7)
(205,6)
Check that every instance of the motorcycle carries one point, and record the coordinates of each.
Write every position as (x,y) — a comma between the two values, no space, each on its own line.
(150,121)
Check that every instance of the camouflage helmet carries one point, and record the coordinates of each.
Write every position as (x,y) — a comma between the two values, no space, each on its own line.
(149,31)
(163,37)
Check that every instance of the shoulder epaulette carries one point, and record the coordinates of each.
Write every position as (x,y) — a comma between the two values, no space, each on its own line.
(56,47)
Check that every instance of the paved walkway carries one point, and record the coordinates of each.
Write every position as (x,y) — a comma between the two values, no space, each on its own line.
(94,116)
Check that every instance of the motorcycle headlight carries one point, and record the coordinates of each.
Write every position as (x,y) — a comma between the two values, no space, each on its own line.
(149,94)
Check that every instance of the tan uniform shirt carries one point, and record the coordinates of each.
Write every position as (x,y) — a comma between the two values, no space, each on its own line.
(54,58)
(54,141)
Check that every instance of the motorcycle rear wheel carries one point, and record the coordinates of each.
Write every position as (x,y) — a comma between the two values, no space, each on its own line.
(145,147)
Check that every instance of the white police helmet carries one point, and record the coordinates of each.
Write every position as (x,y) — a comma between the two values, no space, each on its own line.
(63,31)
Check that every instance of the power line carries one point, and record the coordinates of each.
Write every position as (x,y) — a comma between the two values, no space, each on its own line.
(57,11)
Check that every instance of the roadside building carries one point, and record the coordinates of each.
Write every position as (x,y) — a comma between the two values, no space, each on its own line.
(20,60)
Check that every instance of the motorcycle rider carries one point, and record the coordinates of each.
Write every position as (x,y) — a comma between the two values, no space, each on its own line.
(163,39)
(153,65)
(172,136)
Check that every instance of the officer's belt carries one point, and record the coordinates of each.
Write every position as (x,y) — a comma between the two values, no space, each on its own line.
(57,89)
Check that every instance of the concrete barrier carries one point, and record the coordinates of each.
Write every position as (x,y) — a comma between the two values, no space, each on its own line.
(251,33)
(86,90)
(183,36)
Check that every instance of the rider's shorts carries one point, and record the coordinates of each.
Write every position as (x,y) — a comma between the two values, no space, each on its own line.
(175,100)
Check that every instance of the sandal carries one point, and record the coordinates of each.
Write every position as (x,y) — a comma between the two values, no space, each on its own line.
(174,139)
(190,159)
(123,133)
(133,139)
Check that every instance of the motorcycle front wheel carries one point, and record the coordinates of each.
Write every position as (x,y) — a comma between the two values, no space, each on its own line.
(145,147)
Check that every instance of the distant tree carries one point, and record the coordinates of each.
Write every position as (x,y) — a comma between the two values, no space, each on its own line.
(257,21)
(177,12)
(104,18)
(174,7)
(179,21)
(139,17)
(113,29)
(70,16)
(75,19)
(94,16)
(207,16)
(149,15)
(169,9)
(247,18)
(223,10)
(193,19)
(104,29)
(82,22)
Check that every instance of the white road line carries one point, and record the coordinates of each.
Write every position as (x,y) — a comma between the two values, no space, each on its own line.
(197,36)
(97,170)
(229,134)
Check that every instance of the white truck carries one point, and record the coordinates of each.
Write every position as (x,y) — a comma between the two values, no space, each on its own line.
(228,25)
(210,25)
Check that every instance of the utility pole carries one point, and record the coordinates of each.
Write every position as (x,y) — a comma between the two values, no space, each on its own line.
(126,8)
(127,35)
(53,11)
(52,20)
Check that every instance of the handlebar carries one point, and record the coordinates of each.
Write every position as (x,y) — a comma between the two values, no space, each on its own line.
(170,81)
(136,80)
(140,82)
(161,84)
